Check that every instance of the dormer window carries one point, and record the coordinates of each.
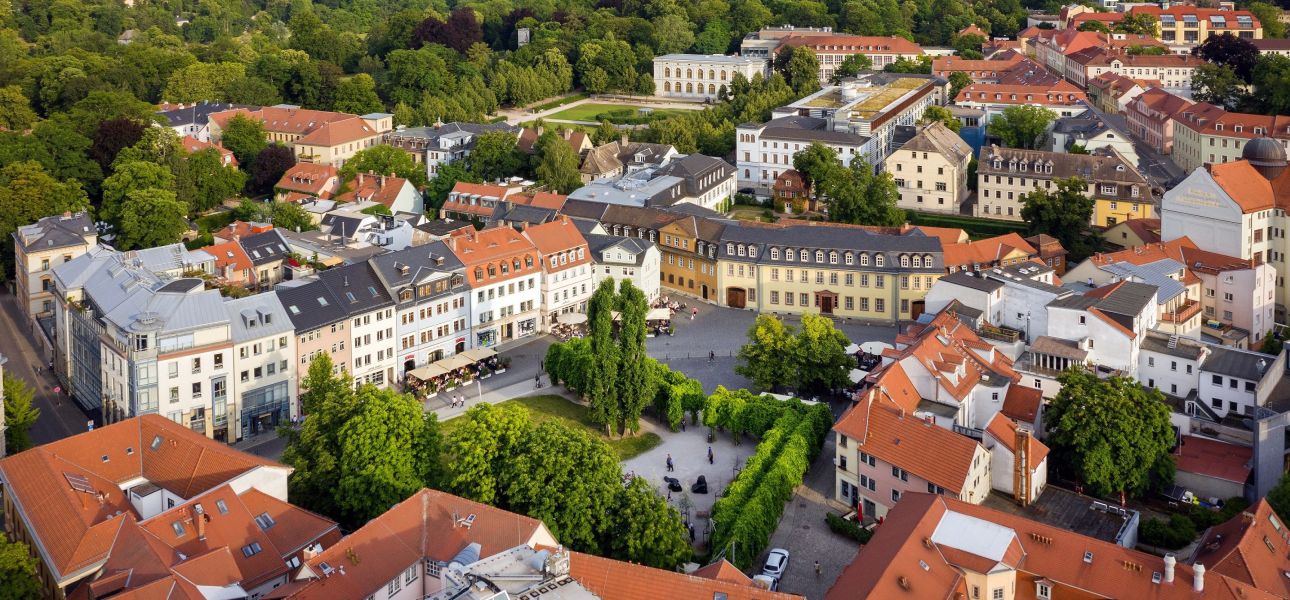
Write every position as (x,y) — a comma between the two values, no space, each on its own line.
(848,258)
(774,253)
(998,164)
(878,260)
(864,260)
(904,260)
(819,256)
(730,248)
(1238,128)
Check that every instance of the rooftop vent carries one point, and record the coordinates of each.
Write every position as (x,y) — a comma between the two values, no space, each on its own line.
(1088,556)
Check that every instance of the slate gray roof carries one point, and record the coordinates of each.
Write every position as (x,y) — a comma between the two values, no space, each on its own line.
(357,288)
(694,210)
(255,317)
(811,129)
(417,264)
(1074,302)
(598,244)
(342,225)
(826,238)
(1023,274)
(976,283)
(442,227)
(1241,364)
(311,305)
(1185,348)
(938,138)
(432,134)
(1128,299)
(265,247)
(59,231)
(1153,273)
(199,113)
(167,308)
(521,213)
(1092,167)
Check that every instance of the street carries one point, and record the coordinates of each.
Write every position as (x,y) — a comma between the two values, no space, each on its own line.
(1160,170)
(60,417)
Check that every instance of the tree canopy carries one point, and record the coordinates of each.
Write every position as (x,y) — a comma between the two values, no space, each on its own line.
(1064,213)
(19,416)
(19,571)
(1022,126)
(1112,434)
(810,358)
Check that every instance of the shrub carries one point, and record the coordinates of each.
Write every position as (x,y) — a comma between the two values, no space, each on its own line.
(1173,534)
(847,528)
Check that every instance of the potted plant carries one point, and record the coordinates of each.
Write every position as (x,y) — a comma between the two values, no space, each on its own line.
(504,362)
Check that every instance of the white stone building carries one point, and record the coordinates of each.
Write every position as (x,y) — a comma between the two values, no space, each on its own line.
(262,384)
(701,76)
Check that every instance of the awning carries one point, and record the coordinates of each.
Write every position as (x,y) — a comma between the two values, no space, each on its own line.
(479,354)
(857,375)
(572,318)
(454,362)
(662,313)
(427,372)
(875,347)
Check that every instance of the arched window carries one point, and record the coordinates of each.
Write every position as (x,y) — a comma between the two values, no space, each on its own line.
(506,269)
(689,73)
(747,174)
(667,71)
(689,88)
(723,75)
(712,88)
(904,260)
(667,86)
(479,272)
(492,270)
(528,262)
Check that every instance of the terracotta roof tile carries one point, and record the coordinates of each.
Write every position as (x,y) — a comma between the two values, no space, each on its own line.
(854,43)
(722,570)
(556,237)
(1213,458)
(1022,403)
(493,247)
(612,579)
(1005,430)
(1239,549)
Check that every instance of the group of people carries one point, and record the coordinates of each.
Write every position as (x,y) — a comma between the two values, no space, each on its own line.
(456,400)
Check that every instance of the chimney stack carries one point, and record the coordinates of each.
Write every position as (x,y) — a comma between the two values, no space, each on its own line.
(622,141)
(201,525)
(1170,561)
(1199,577)
(360,179)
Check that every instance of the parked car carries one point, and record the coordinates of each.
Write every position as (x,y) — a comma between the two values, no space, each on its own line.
(766,582)
(776,563)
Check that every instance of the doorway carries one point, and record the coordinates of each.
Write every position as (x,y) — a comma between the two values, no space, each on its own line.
(917,308)
(736,297)
(869,509)
(826,305)
(704,287)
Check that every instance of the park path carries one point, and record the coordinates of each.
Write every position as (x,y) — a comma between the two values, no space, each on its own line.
(515,116)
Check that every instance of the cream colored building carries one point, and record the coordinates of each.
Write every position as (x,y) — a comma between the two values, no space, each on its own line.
(931,170)
(1006,175)
(701,76)
(1205,134)
(40,247)
(315,136)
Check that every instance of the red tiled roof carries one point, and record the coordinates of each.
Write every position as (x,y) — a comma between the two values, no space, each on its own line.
(987,251)
(902,561)
(1005,431)
(192,144)
(1208,119)
(611,579)
(722,570)
(342,131)
(854,43)
(493,247)
(382,189)
(230,254)
(1022,403)
(557,237)
(310,178)
(1250,548)
(1061,93)
(1212,458)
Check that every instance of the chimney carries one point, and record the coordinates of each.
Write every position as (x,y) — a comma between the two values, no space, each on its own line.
(1198,577)
(1170,561)
(360,180)
(201,525)
(539,130)
(622,141)
(566,133)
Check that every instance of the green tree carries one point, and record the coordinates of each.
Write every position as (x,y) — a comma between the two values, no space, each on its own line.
(672,34)
(1021,126)
(18,571)
(765,359)
(819,355)
(1064,213)
(19,416)
(28,193)
(1230,51)
(604,133)
(644,529)
(383,159)
(245,138)
(802,69)
(958,81)
(1217,84)
(1269,17)
(150,217)
(130,176)
(556,164)
(268,168)
(389,446)
(851,66)
(601,389)
(1279,496)
(582,467)
(1096,26)
(1112,434)
(357,95)
(922,65)
(943,116)
(816,163)
(1139,23)
(495,156)
(447,177)
(202,81)
(636,383)
(859,196)
(480,447)
(319,383)
(15,109)
(210,181)
(289,216)
(1272,84)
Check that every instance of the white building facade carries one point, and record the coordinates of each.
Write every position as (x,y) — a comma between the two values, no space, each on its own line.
(701,76)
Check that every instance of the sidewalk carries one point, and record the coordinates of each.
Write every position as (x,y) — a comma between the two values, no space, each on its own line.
(439,404)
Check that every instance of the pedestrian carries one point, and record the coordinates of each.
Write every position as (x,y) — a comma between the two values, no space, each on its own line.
(709,454)
(682,423)
(669,494)
(817,568)
(692,532)
(669,463)
(712,356)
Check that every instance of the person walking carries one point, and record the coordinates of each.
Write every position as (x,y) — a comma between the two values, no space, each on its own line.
(669,463)
(817,568)
(709,454)
(712,356)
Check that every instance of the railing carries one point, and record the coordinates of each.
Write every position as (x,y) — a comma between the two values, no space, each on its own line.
(1002,334)
(1183,313)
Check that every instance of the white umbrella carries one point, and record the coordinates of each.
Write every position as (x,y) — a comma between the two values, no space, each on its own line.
(875,347)
(853,348)
(572,318)
(857,375)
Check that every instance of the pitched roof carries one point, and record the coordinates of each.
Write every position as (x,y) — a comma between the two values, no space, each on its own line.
(382,189)
(310,178)
(425,526)
(883,424)
(335,133)
(1022,403)
(555,237)
(58,231)
(74,531)
(918,552)
(1208,119)
(1251,548)
(494,246)
(229,255)
(987,251)
(1059,93)
(722,570)
(1004,430)
(938,138)
(862,44)
(618,580)
(193,145)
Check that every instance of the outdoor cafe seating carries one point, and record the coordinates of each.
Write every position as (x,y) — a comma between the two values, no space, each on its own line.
(448,374)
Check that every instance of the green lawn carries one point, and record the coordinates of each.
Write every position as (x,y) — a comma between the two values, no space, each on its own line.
(590,110)
(976,227)
(574,416)
(748,213)
(559,102)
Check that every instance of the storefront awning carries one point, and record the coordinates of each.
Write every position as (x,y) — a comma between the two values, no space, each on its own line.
(427,372)
(572,318)
(478,354)
(662,313)
(454,362)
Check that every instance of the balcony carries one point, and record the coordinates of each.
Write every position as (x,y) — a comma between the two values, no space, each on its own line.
(1182,313)
(1002,334)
